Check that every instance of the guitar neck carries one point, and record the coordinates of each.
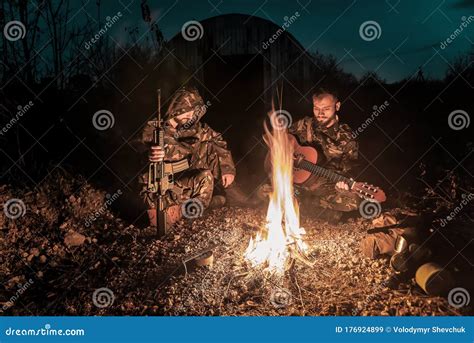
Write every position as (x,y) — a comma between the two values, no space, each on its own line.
(323,172)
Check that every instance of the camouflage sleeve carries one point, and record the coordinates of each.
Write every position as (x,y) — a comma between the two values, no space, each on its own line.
(300,130)
(174,151)
(226,163)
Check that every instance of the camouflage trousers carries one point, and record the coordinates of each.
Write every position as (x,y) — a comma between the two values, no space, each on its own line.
(325,195)
(195,184)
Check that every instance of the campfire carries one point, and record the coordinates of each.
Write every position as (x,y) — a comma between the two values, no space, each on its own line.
(281,240)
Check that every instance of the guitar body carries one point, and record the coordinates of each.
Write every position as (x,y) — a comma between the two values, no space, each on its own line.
(307,153)
(301,176)
(308,163)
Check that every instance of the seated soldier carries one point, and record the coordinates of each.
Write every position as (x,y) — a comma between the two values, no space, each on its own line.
(324,132)
(210,161)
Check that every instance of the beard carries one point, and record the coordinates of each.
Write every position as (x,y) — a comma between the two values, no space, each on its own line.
(323,120)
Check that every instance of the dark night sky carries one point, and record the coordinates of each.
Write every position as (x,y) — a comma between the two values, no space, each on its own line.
(412,30)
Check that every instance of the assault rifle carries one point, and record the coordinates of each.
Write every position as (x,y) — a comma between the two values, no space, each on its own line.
(161,174)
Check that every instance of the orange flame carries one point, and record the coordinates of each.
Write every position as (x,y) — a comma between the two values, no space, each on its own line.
(272,246)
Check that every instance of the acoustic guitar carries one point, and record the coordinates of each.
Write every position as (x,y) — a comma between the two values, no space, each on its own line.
(307,167)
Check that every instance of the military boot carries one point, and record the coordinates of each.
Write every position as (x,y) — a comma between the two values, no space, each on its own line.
(236,197)
(217,201)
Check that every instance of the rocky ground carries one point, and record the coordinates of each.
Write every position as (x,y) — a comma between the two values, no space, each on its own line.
(54,262)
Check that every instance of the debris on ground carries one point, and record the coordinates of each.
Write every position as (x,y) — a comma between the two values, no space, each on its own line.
(54,263)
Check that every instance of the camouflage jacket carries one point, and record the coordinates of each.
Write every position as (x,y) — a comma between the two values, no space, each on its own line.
(202,146)
(336,142)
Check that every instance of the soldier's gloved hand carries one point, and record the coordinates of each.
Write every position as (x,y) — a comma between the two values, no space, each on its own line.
(342,186)
(227,180)
(157,154)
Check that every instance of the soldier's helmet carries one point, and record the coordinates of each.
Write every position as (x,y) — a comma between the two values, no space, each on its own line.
(184,100)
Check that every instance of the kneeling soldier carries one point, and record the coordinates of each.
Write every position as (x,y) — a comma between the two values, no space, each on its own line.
(186,137)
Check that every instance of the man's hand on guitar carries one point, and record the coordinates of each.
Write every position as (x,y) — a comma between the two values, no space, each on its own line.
(156,154)
(341,185)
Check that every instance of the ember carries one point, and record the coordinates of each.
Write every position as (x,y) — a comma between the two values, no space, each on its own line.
(282,235)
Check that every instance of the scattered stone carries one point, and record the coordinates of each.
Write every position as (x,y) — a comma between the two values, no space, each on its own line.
(150,278)
(74,239)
